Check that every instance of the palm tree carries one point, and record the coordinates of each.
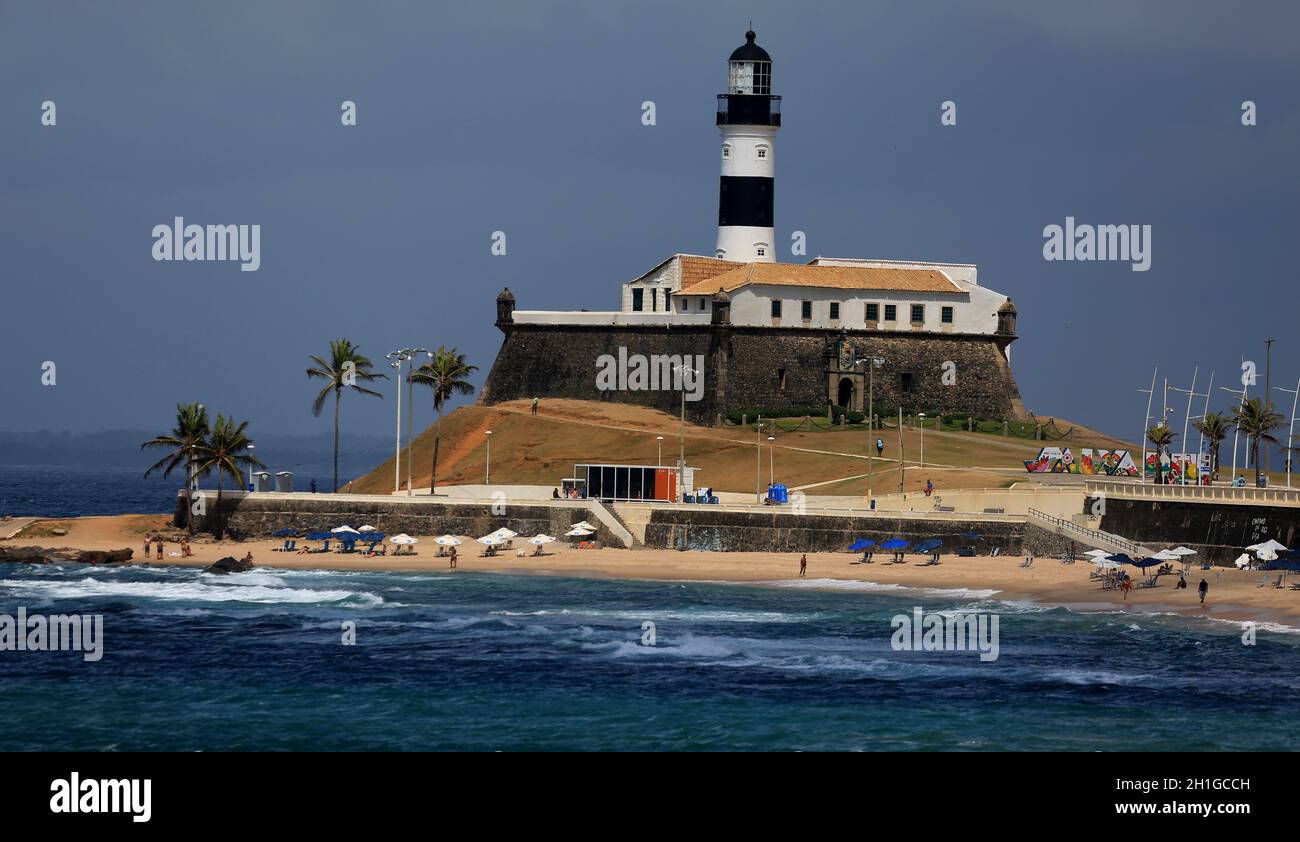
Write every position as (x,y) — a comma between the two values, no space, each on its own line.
(187,436)
(1214,427)
(1257,421)
(1161,436)
(445,374)
(345,368)
(226,453)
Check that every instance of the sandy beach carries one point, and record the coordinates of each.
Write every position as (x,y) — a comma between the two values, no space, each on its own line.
(1234,595)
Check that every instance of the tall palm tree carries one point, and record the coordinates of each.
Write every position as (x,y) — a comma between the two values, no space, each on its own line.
(1214,427)
(345,369)
(226,453)
(188,435)
(1257,421)
(1161,436)
(445,374)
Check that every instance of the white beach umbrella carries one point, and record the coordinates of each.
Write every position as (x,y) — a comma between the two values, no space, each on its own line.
(447,541)
(344,530)
(505,534)
(403,540)
(367,528)
(541,538)
(491,541)
(582,524)
(1107,564)
(1270,544)
(1166,555)
(1243,560)
(1183,551)
(1266,555)
(578,532)
(1097,553)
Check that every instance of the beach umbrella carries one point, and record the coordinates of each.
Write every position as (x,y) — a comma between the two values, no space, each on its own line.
(1097,553)
(1243,560)
(582,524)
(319,536)
(894,544)
(1182,551)
(344,530)
(1166,555)
(1266,555)
(1106,564)
(578,532)
(447,541)
(1270,544)
(541,539)
(405,540)
(283,533)
(505,534)
(1121,558)
(1144,563)
(929,545)
(491,541)
(1290,565)
(861,544)
(367,528)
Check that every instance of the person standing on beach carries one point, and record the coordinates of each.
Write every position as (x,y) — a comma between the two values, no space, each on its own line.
(803,565)
(160,548)
(1203,589)
(453,558)
(1125,585)
(147,542)
(534,406)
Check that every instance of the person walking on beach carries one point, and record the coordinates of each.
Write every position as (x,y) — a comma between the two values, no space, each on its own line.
(929,488)
(160,548)
(534,406)
(1126,585)
(1203,589)
(147,542)
(803,565)
(452,561)
(880,447)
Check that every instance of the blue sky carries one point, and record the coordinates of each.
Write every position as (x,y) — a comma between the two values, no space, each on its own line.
(525,117)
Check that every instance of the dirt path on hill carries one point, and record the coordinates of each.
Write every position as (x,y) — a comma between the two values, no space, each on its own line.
(466,443)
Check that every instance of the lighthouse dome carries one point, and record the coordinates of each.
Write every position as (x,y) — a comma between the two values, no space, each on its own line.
(749,51)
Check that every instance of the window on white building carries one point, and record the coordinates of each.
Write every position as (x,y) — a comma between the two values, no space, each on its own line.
(918,313)
(760,251)
(835,310)
(726,150)
(891,312)
(873,312)
(945,315)
(776,308)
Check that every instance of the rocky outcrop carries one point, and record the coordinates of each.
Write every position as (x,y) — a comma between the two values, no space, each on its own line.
(59,555)
(230,564)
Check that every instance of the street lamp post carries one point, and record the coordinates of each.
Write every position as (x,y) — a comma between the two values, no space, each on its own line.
(921,415)
(487,463)
(758,461)
(1146,419)
(659,445)
(1290,435)
(685,371)
(395,361)
(771,465)
(872,364)
(1235,431)
(251,448)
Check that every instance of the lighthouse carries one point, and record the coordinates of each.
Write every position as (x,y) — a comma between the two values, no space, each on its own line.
(748,119)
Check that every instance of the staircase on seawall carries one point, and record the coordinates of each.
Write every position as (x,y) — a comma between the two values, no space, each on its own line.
(1095,538)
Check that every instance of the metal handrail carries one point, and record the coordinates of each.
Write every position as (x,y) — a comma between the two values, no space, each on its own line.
(1096,534)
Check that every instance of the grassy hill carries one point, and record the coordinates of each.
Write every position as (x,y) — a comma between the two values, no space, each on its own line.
(539,450)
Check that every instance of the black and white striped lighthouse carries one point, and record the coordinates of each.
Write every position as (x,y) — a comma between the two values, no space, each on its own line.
(748,118)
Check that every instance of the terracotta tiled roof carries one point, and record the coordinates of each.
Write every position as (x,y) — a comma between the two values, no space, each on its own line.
(826,277)
(696,269)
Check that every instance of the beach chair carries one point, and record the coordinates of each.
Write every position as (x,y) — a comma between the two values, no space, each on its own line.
(1026,564)
(283,549)
(1263,583)
(1149,582)
(996,551)
(1278,583)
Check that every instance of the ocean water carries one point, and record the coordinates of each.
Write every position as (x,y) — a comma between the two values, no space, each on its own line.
(513,662)
(59,491)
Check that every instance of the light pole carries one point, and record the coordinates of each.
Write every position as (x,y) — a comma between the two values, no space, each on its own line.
(1146,419)
(487,463)
(758,461)
(251,448)
(685,371)
(872,364)
(900,452)
(771,465)
(1290,435)
(410,419)
(1268,403)
(659,445)
(921,415)
(395,361)
(1200,444)
(1235,431)
(1191,393)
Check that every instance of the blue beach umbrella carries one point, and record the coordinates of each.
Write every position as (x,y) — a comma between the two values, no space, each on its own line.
(284,533)
(1120,557)
(894,544)
(861,544)
(929,545)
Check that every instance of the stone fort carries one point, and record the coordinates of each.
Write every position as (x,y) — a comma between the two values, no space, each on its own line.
(760,334)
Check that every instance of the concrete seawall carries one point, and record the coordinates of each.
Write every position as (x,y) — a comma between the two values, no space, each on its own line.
(1218,531)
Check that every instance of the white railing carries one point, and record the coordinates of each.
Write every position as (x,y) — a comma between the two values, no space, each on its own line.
(1209,493)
